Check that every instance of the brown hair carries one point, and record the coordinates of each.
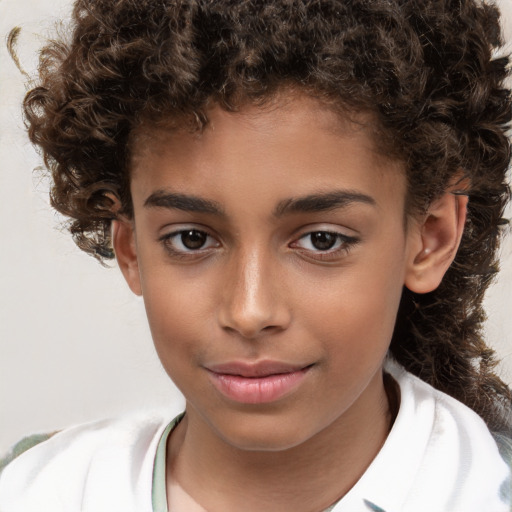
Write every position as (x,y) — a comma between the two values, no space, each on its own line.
(424,68)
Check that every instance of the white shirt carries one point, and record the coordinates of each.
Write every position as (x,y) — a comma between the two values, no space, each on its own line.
(438,457)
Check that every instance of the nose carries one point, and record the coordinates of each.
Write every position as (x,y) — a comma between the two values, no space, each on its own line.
(253,299)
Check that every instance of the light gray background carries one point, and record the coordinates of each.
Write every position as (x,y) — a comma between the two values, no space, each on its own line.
(74,343)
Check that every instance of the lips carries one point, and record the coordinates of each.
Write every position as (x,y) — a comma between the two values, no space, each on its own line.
(256,383)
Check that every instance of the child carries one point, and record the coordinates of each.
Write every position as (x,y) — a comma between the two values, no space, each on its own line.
(308,196)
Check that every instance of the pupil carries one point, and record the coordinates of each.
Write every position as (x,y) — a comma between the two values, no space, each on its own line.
(193,239)
(323,241)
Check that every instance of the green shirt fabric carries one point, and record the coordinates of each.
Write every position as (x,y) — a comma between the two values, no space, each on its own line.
(159,493)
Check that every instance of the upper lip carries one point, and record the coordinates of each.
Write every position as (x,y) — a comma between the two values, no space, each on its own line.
(256,369)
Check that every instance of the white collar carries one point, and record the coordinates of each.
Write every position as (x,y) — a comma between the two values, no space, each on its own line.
(439,455)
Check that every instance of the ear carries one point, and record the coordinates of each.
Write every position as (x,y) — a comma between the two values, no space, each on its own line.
(435,240)
(125,248)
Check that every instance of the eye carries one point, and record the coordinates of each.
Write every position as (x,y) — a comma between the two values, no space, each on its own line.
(325,243)
(321,240)
(188,241)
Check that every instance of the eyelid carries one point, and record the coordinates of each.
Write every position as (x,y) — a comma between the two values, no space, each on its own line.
(347,243)
(167,237)
(334,229)
(341,236)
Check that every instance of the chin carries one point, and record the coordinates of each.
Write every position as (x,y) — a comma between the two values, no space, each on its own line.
(263,436)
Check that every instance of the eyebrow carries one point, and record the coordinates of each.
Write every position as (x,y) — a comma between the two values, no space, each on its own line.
(163,199)
(322,202)
(307,204)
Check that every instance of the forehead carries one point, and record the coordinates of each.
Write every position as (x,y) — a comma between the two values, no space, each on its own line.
(286,147)
(276,112)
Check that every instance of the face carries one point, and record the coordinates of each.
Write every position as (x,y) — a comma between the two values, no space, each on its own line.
(271,253)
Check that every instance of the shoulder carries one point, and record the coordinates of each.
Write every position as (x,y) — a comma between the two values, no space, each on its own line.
(99,466)
(504,442)
(445,414)
(22,446)
(455,452)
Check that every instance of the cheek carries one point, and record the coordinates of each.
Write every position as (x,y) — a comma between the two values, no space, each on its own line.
(174,329)
(356,309)
(176,310)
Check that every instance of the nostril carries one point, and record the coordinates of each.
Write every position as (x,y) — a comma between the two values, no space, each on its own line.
(252,331)
(271,328)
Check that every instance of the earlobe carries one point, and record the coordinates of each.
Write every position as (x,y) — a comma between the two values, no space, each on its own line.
(123,240)
(435,242)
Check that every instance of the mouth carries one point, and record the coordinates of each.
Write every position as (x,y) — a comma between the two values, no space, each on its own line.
(257,383)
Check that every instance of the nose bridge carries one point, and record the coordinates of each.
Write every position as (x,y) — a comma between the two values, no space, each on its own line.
(254,281)
(252,303)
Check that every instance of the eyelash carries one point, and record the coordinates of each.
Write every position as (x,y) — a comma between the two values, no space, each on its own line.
(167,241)
(344,242)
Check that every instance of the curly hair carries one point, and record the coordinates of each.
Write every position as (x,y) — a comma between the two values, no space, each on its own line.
(426,70)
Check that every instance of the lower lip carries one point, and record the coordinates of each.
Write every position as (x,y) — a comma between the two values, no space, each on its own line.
(257,390)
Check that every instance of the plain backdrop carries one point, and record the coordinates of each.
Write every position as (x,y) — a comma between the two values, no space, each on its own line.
(74,342)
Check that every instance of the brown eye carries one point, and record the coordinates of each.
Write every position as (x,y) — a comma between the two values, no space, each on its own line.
(323,240)
(322,244)
(193,239)
(188,242)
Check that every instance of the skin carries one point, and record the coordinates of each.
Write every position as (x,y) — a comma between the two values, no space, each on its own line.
(259,289)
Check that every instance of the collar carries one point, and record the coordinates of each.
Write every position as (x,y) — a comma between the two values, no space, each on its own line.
(388,480)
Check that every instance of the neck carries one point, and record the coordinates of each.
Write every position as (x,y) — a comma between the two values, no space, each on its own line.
(310,476)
